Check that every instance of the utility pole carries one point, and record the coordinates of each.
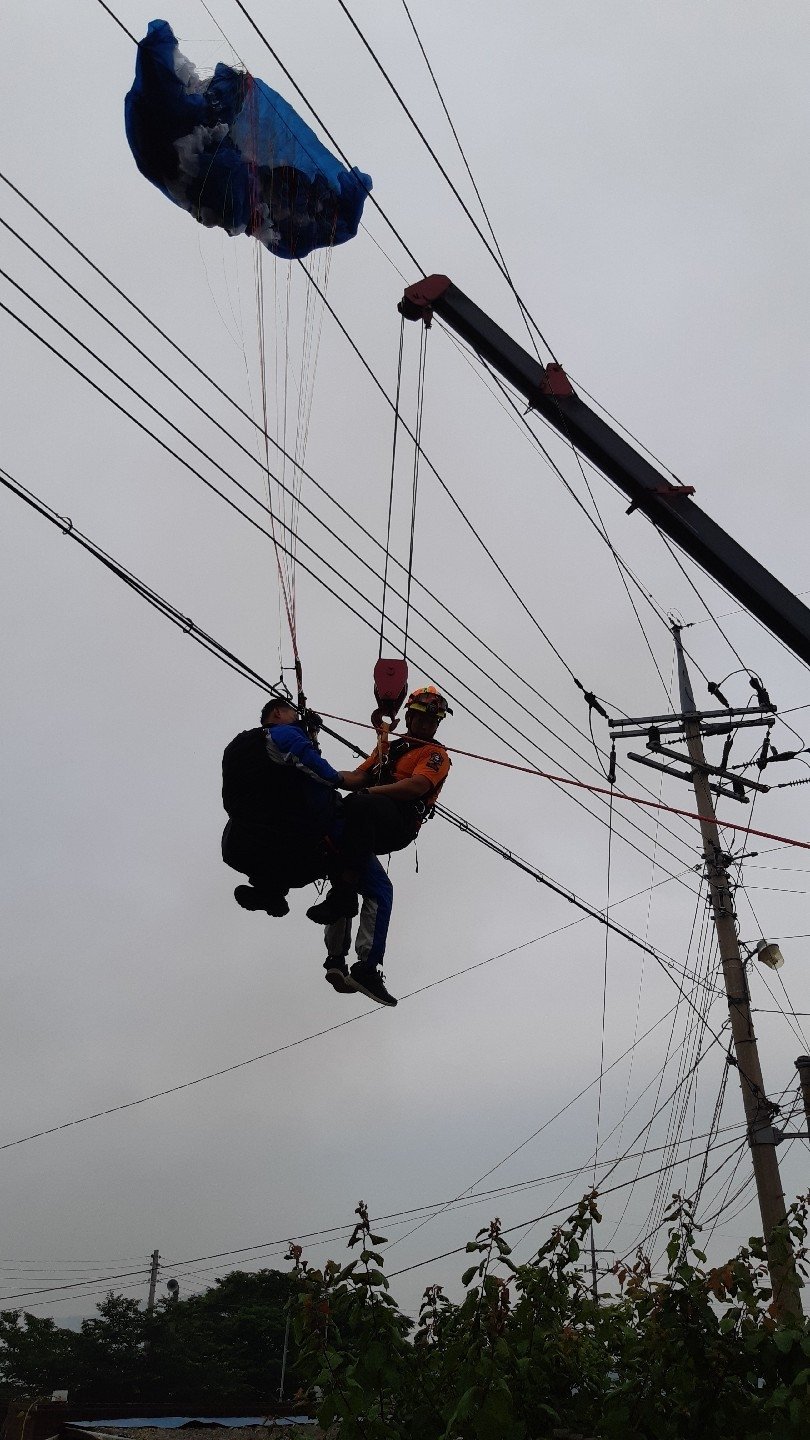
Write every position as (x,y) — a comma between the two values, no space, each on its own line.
(284,1356)
(594,1287)
(153,1275)
(759,1111)
(707,780)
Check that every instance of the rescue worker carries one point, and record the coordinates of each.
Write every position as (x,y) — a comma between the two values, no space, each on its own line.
(394,800)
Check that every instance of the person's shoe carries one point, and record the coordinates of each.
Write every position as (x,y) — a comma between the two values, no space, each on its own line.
(339,903)
(337,973)
(369,980)
(252,899)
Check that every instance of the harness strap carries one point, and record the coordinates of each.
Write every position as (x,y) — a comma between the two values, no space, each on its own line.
(285,757)
(387,776)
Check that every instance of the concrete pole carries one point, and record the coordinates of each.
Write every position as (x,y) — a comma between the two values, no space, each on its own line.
(758,1112)
(153,1275)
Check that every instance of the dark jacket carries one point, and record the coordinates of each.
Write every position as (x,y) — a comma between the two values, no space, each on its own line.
(281,799)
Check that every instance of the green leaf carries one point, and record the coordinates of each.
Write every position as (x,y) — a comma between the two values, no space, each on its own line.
(465,1406)
(783,1340)
(468,1274)
(375,1356)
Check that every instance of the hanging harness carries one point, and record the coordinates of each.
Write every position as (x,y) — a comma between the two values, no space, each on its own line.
(385,774)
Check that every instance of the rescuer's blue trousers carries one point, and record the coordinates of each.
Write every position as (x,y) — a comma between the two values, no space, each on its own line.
(377,894)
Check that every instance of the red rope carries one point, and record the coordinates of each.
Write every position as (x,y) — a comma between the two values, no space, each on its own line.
(600,789)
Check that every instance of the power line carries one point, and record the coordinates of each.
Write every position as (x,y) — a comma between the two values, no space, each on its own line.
(546,1215)
(321,489)
(220,652)
(118,22)
(497,257)
(268,1054)
(76,1284)
(256,460)
(247,416)
(262,530)
(593,1158)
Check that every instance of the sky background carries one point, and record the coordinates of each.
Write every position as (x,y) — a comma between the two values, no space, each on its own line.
(644,169)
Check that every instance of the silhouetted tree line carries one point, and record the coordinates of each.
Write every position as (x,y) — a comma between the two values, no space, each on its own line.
(217,1349)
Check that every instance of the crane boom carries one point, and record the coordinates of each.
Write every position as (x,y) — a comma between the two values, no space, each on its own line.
(669,507)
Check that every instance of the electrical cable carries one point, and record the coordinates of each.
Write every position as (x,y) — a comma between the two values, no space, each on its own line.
(277,1050)
(106,8)
(331,138)
(213,646)
(522,420)
(604,991)
(76,1284)
(247,416)
(326,1235)
(657,1110)
(510,1229)
(346,159)
(264,432)
(346,513)
(637,1245)
(118,22)
(524,316)
(667,1053)
(495,256)
(232,504)
(246,492)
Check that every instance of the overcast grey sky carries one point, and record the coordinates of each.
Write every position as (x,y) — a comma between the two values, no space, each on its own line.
(644,167)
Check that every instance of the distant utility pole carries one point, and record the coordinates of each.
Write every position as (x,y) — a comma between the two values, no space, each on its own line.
(284,1356)
(153,1275)
(762,1136)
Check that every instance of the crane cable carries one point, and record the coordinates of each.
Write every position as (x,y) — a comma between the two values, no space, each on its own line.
(417,451)
(416,434)
(391,482)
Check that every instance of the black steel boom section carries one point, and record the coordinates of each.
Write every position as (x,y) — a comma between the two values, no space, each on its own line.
(668,506)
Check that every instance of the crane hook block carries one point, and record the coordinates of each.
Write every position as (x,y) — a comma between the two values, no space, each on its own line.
(390,689)
(418,301)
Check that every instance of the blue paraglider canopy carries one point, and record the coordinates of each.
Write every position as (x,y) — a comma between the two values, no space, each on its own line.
(233,153)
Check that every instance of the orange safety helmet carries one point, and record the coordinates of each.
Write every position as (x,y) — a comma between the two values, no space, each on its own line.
(428,701)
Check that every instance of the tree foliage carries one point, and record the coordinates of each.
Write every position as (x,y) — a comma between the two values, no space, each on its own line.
(526,1354)
(222,1347)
